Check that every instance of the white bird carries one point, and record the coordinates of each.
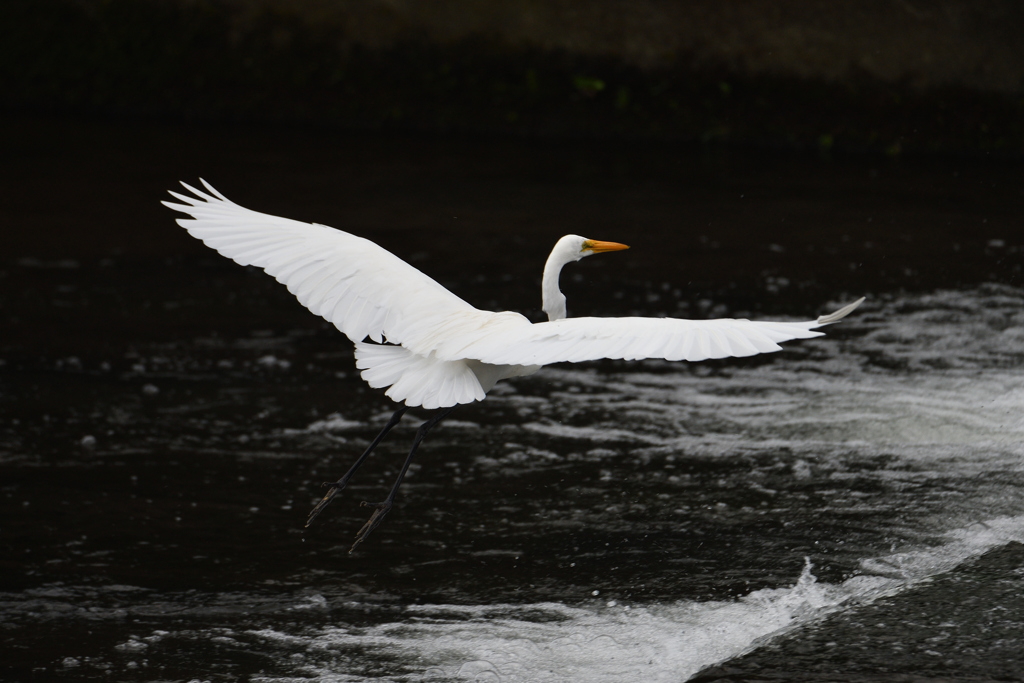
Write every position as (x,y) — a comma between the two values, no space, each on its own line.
(429,347)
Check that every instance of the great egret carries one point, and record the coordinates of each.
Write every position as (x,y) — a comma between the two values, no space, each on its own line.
(431,348)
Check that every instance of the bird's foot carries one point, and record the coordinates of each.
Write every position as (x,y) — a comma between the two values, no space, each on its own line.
(375,519)
(336,487)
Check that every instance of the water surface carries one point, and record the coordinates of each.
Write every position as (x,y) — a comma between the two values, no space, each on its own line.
(850,508)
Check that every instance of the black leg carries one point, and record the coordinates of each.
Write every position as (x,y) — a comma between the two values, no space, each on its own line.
(384,507)
(337,486)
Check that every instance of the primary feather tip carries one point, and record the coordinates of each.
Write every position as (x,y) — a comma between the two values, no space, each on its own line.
(840,314)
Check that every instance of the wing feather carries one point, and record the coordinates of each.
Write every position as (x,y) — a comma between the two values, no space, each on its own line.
(257,250)
(364,290)
(583,339)
(702,346)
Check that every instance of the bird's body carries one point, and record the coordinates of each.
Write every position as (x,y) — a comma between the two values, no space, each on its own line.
(430,348)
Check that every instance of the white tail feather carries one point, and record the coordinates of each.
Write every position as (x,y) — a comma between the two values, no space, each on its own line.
(417,380)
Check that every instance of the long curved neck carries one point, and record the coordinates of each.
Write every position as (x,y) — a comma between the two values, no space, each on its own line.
(553,299)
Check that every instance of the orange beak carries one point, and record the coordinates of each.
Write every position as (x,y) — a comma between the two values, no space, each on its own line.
(597,246)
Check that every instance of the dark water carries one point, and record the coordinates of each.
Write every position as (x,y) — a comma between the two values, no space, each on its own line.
(849,509)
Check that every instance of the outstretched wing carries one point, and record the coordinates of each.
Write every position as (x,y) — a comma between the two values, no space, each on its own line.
(581,339)
(366,291)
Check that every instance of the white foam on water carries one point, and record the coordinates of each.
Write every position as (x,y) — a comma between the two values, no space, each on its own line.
(334,422)
(983,411)
(610,642)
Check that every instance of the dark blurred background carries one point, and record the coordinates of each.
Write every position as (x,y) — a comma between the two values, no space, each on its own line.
(878,76)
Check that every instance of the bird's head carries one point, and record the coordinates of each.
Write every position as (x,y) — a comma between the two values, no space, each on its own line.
(568,249)
(574,247)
